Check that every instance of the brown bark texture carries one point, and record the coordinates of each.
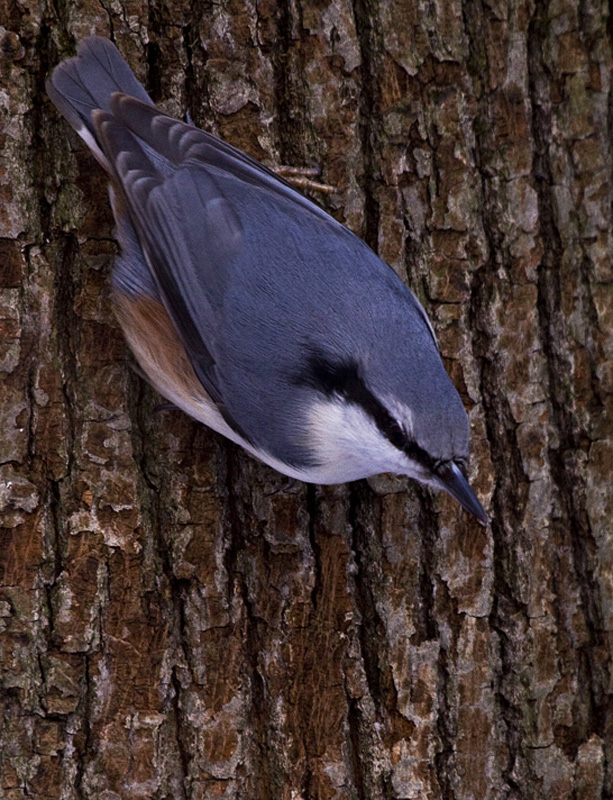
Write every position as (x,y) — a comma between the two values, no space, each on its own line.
(179,621)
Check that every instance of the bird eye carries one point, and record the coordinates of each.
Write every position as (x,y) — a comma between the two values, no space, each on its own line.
(462,464)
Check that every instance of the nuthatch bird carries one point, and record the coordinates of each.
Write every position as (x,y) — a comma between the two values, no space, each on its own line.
(253,310)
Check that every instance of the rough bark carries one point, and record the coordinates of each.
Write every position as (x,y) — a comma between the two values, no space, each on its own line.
(178,621)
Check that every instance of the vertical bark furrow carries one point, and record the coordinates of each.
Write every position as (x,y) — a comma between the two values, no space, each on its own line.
(594,665)
(292,123)
(374,655)
(368,36)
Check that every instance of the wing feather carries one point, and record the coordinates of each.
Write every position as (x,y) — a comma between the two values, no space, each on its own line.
(181,143)
(155,206)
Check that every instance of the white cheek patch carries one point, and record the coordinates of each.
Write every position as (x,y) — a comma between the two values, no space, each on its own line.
(347,443)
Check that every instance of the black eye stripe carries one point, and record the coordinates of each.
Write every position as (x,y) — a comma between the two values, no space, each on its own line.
(344,379)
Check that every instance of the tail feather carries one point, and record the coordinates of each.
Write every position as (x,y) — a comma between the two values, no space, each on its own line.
(85,83)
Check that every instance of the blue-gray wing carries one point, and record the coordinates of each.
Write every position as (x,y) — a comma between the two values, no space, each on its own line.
(181,145)
(189,231)
(189,148)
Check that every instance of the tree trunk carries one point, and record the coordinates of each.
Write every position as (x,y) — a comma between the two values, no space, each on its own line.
(179,621)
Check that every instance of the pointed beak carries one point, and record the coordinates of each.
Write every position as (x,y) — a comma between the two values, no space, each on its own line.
(451,479)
